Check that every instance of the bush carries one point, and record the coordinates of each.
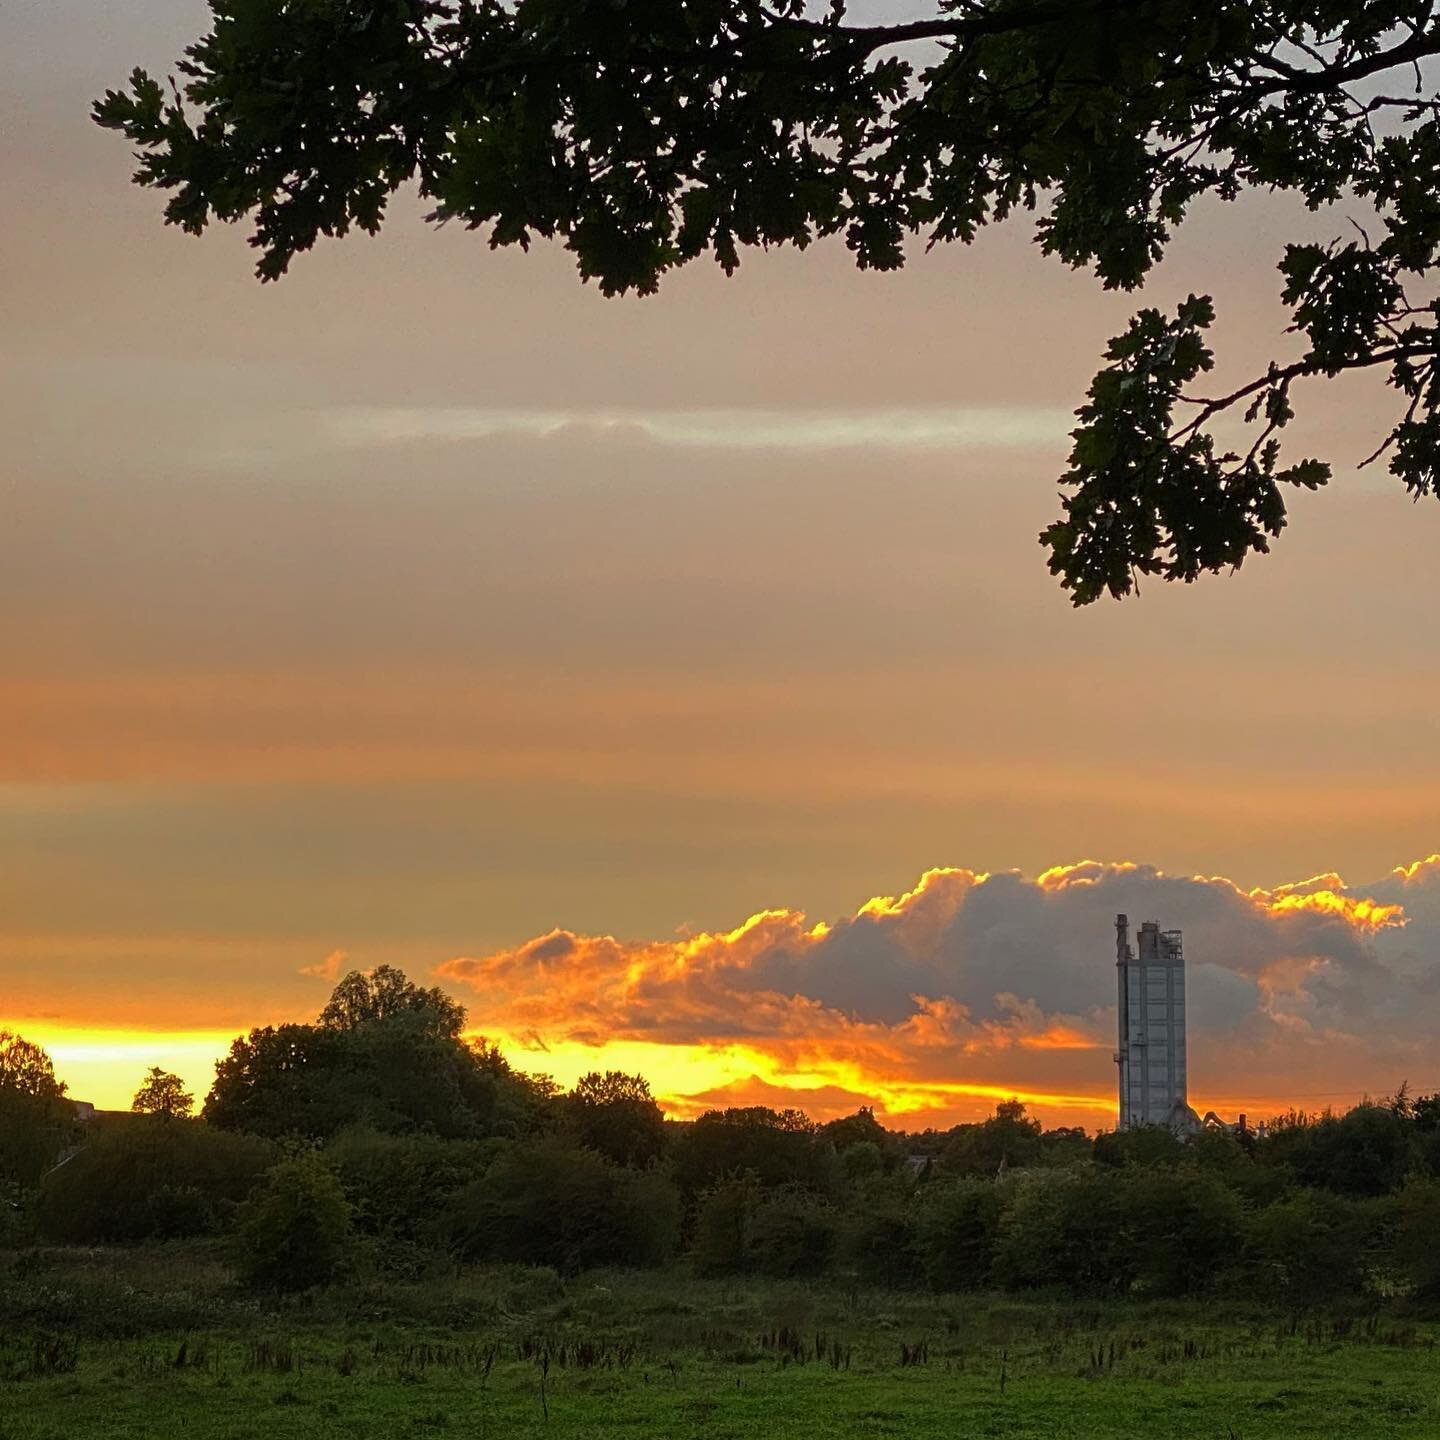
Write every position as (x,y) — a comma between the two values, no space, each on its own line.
(296,1233)
(546,1203)
(956,1229)
(149,1178)
(879,1236)
(723,1218)
(792,1233)
(1067,1228)
(1313,1246)
(17,1215)
(34,1132)
(1414,1251)
(401,1188)
(1187,1230)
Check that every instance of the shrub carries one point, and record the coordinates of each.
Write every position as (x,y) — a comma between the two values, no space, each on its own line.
(723,1218)
(880,1235)
(1187,1230)
(792,1233)
(546,1203)
(955,1233)
(1414,1251)
(401,1187)
(1313,1245)
(1067,1228)
(296,1232)
(146,1178)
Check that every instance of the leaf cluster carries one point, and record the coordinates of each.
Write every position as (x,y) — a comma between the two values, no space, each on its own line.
(642,134)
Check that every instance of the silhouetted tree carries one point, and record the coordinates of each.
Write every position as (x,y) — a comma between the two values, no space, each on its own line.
(385,1053)
(865,1146)
(36,1122)
(777,1147)
(685,130)
(26,1069)
(386,993)
(394,1074)
(1009,1137)
(162,1093)
(1366,1151)
(616,1115)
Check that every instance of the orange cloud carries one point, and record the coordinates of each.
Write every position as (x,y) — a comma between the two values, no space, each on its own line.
(1357,910)
(1426,869)
(332,967)
(968,988)
(1085,872)
(931,1005)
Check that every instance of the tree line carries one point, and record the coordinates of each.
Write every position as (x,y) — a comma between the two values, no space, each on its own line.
(380,1138)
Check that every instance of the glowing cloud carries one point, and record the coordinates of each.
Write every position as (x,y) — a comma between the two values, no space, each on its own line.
(973,986)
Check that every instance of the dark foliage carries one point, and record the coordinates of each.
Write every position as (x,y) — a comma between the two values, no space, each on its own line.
(386,1055)
(401,1187)
(296,1232)
(150,1178)
(777,1147)
(435,1150)
(1366,1151)
(615,1115)
(162,1093)
(715,125)
(549,1203)
(786,1232)
(388,994)
(957,1226)
(36,1121)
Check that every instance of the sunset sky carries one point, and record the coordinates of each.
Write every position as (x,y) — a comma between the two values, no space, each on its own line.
(677,681)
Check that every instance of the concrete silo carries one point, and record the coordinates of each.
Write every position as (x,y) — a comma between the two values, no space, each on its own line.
(1151,1056)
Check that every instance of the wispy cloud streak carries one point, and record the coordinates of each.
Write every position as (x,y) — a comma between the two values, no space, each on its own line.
(986,428)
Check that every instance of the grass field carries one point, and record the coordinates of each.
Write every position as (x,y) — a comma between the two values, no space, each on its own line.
(159,1344)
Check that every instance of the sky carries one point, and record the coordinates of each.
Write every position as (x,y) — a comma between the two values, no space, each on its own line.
(678,681)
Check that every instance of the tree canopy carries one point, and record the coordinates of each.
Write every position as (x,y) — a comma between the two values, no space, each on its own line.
(616,1115)
(27,1069)
(386,993)
(162,1093)
(643,134)
(35,1119)
(385,1053)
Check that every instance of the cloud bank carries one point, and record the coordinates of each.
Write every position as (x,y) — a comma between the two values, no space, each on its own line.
(971,986)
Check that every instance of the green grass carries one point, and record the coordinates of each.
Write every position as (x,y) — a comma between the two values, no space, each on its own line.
(91,1344)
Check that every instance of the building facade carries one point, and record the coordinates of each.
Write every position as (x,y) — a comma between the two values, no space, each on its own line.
(1151,1057)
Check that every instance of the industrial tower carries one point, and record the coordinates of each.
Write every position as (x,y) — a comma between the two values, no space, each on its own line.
(1151,1056)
